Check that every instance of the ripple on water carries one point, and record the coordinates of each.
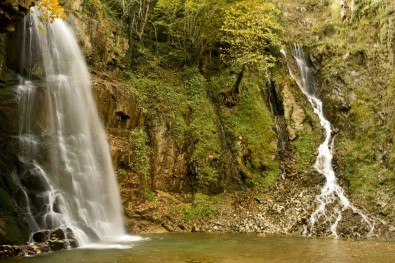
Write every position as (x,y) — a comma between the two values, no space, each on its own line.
(227,248)
(115,242)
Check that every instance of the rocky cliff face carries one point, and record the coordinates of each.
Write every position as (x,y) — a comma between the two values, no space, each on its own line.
(188,161)
(351,44)
(11,12)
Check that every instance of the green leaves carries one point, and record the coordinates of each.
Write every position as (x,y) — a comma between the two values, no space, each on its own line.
(250,33)
(366,7)
(189,25)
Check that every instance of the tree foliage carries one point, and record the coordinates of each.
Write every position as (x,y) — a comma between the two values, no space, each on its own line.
(134,14)
(250,33)
(51,9)
(189,25)
(365,7)
(247,30)
(139,16)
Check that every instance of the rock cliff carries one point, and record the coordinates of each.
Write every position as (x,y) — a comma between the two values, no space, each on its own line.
(189,159)
(11,12)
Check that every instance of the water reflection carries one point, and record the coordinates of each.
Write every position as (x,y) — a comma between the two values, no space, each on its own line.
(204,248)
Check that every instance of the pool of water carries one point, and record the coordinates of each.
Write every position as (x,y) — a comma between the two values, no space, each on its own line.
(206,248)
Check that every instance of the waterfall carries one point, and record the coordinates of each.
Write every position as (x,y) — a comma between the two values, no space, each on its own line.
(66,173)
(278,117)
(332,201)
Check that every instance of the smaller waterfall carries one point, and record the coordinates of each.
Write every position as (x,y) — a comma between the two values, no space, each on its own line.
(278,116)
(332,200)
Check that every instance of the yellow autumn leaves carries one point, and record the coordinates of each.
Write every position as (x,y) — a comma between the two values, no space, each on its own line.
(251,31)
(51,10)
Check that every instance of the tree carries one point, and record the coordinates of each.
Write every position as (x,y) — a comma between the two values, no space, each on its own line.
(51,9)
(134,13)
(191,26)
(140,10)
(250,33)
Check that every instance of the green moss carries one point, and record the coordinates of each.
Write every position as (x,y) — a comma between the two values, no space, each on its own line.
(178,128)
(364,181)
(149,195)
(181,101)
(138,139)
(6,202)
(250,125)
(13,229)
(203,130)
(203,207)
(367,176)
(305,146)
(198,211)
(122,172)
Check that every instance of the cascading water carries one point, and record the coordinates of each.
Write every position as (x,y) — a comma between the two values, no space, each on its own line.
(278,114)
(66,173)
(276,110)
(332,200)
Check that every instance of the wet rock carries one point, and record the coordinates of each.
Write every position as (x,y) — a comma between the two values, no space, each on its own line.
(11,12)
(73,243)
(58,234)
(99,45)
(9,251)
(122,115)
(41,236)
(293,113)
(33,179)
(53,240)
(91,234)
(168,227)
(56,245)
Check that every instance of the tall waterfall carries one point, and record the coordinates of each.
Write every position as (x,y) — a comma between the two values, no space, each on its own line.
(66,173)
(332,201)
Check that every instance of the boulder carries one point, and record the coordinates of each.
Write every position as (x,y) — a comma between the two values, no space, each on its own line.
(58,234)
(41,236)
(11,12)
(56,239)
(33,179)
(56,245)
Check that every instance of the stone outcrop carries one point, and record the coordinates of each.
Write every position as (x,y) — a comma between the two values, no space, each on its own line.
(11,12)
(112,98)
(101,40)
(42,242)
(293,113)
(169,162)
(118,107)
(13,228)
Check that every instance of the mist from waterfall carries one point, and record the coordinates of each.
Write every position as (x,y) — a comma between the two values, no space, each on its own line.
(67,176)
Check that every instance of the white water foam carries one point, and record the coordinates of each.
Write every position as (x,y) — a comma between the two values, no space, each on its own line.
(332,200)
(68,178)
(118,242)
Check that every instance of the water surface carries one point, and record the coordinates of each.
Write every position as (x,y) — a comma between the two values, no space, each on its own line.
(205,248)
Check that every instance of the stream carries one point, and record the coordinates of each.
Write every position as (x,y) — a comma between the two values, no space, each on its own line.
(227,248)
